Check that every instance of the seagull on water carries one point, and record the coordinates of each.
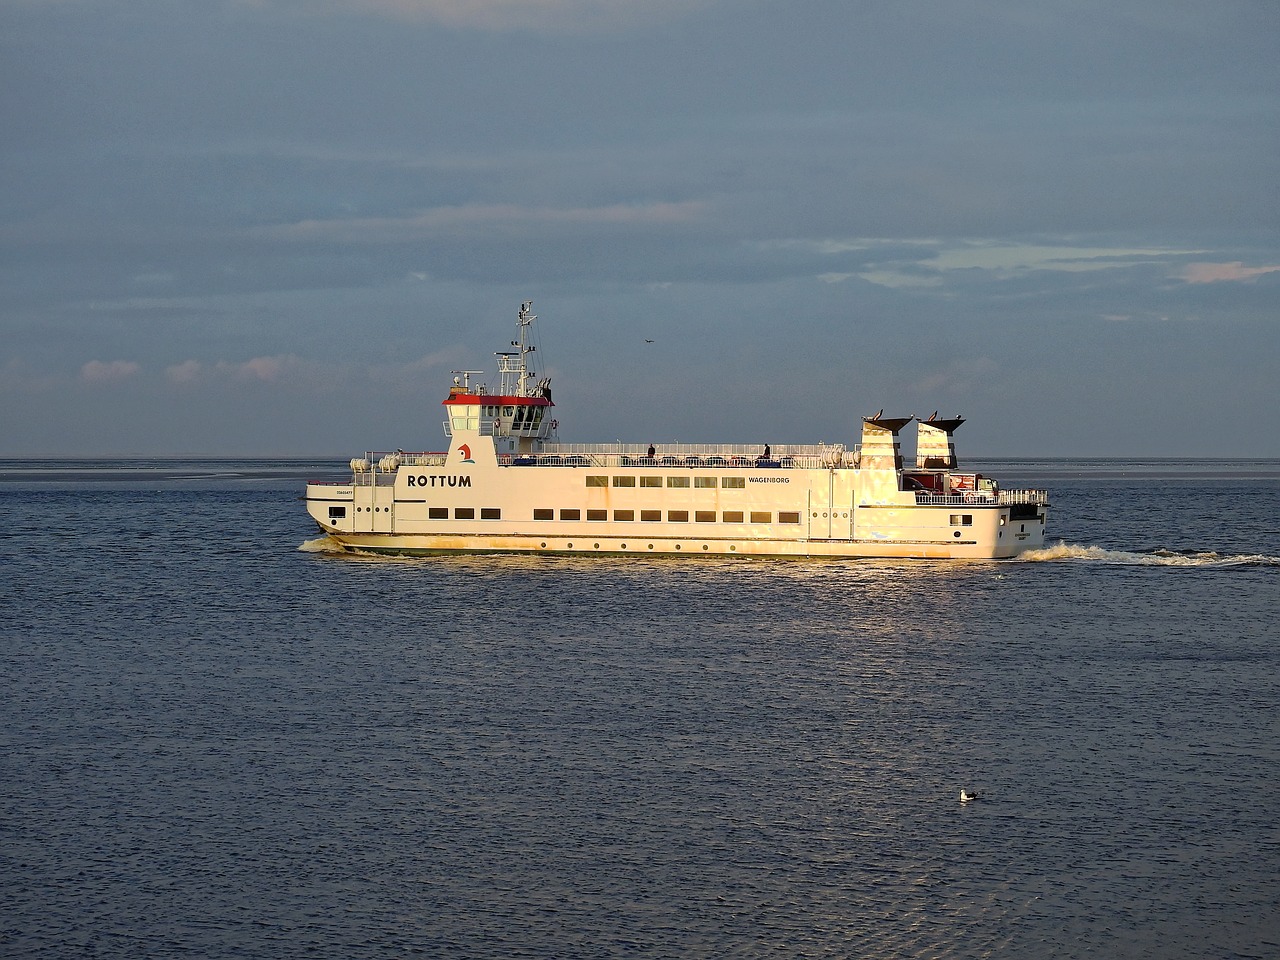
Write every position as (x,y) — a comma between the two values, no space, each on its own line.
(966,797)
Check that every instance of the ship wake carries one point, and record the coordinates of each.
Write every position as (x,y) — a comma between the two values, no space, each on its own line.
(325,544)
(1074,553)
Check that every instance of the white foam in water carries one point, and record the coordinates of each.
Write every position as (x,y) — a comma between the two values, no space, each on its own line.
(1157,558)
(325,544)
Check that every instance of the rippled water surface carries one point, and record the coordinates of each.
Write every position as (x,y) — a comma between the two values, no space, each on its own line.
(217,744)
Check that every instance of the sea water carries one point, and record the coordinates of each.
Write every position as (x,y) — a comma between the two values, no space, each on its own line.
(216,741)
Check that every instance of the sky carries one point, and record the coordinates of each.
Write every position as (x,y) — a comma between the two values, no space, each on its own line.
(274,227)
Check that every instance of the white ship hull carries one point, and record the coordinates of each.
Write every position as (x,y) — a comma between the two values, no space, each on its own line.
(419,508)
(507,485)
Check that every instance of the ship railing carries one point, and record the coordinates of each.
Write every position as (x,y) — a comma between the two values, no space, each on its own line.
(694,449)
(691,455)
(372,478)
(379,469)
(1039,498)
(614,461)
(423,459)
(982,497)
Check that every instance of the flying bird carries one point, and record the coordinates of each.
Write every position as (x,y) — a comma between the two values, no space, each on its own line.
(966,797)
(648,341)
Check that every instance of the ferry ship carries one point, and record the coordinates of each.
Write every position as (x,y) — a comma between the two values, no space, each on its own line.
(507,484)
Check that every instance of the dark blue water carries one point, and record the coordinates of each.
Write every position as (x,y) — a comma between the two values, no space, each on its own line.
(215,744)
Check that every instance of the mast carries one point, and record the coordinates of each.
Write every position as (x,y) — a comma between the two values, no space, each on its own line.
(512,366)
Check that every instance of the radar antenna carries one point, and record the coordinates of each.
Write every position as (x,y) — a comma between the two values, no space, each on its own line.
(511,365)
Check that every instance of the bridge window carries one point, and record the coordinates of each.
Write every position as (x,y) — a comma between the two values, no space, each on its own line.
(464,513)
(490,513)
(597,481)
(651,516)
(437,513)
(570,514)
(337,513)
(788,516)
(761,517)
(962,519)
(624,481)
(597,514)
(543,513)
(624,514)
(705,516)
(732,516)
(678,516)
(733,483)
(704,482)
(650,481)
(677,481)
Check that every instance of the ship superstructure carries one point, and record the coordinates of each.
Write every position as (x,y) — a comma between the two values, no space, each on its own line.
(507,484)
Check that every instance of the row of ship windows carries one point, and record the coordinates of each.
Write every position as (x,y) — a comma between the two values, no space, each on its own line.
(729,483)
(673,516)
(646,516)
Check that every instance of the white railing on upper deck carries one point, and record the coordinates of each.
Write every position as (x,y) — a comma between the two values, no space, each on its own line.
(692,455)
(1037,498)
(671,461)
(982,498)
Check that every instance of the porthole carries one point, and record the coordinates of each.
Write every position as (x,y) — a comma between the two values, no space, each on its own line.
(542,544)
(677,546)
(596,545)
(956,534)
(569,545)
(732,547)
(705,547)
(624,546)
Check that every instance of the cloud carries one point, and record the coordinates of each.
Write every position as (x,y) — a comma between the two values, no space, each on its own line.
(547,16)
(108,371)
(187,372)
(264,369)
(926,262)
(959,377)
(485,218)
(1216,272)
